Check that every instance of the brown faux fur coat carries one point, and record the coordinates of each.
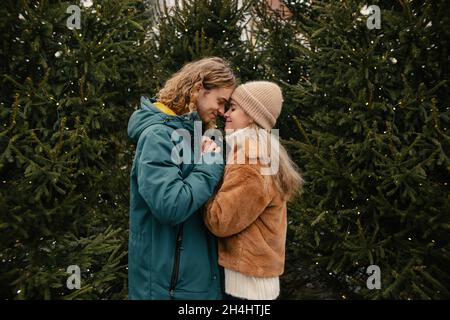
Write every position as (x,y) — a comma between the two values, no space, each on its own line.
(249,218)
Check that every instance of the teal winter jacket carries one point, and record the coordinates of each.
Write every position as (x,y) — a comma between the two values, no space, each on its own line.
(171,253)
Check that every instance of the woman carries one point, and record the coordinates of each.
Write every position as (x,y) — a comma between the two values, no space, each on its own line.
(171,253)
(248,212)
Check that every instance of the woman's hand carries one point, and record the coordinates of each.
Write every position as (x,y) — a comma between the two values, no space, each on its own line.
(208,145)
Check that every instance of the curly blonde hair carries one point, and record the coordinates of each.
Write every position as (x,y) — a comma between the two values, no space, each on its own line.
(179,92)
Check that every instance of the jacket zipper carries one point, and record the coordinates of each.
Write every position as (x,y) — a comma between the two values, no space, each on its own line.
(176,262)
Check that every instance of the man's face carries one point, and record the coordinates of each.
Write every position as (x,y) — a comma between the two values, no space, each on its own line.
(211,103)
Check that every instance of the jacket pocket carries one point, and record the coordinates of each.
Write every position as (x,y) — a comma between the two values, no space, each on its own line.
(195,269)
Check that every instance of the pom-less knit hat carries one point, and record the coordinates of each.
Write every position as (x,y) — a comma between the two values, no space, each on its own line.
(261,100)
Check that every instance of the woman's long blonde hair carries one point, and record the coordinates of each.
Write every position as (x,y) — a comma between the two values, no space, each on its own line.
(287,179)
(179,92)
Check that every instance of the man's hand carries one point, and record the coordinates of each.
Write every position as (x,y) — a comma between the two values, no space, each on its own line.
(208,145)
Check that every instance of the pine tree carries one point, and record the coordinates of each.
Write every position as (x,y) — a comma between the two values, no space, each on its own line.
(193,29)
(366,117)
(66,96)
(279,38)
(371,108)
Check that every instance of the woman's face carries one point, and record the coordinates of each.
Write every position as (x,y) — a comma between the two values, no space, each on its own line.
(236,118)
(211,103)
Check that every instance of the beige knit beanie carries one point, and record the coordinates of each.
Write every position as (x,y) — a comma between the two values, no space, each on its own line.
(261,100)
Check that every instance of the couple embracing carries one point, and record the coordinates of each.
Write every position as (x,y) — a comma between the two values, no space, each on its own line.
(209,229)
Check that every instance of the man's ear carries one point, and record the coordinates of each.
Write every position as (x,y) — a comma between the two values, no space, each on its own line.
(198,87)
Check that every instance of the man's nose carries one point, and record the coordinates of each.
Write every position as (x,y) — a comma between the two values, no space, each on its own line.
(221,111)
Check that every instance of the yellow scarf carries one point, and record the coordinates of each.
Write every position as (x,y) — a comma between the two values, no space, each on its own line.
(164,108)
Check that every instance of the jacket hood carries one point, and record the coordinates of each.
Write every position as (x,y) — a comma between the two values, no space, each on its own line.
(148,114)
